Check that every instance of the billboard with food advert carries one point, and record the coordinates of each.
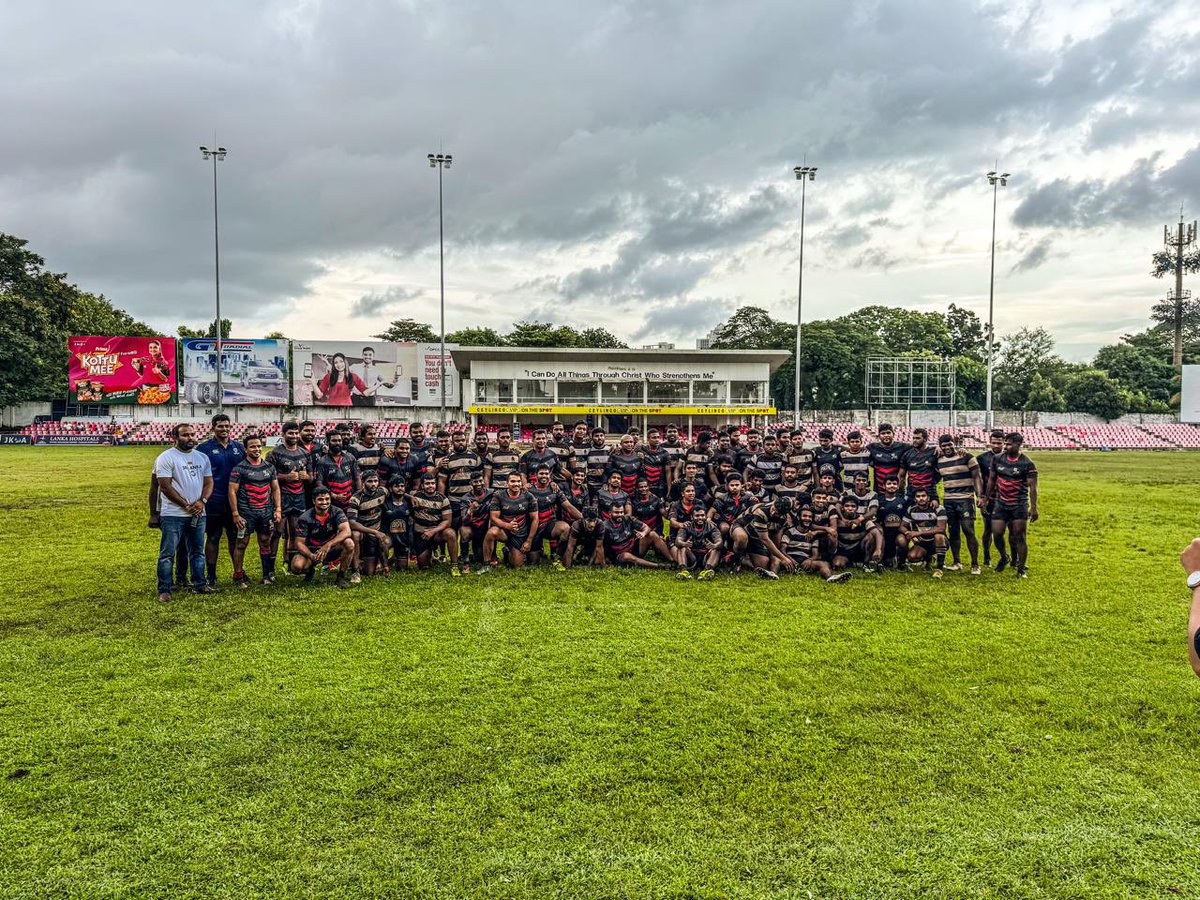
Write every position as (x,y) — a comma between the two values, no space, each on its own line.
(122,369)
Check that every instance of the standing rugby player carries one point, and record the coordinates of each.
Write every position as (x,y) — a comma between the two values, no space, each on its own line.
(1014,482)
(986,459)
(253,495)
(961,486)
(292,469)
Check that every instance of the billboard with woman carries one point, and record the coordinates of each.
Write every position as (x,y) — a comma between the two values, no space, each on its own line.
(122,369)
(351,373)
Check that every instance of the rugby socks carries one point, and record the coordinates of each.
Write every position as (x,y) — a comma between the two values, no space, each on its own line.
(268,565)
(941,559)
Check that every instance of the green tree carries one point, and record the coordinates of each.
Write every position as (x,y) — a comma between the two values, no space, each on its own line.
(753,328)
(903,330)
(1044,396)
(476,337)
(1137,371)
(275,336)
(966,333)
(408,330)
(970,382)
(1092,391)
(185,331)
(1026,353)
(600,339)
(542,334)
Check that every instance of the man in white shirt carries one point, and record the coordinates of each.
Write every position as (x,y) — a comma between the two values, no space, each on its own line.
(371,376)
(185,483)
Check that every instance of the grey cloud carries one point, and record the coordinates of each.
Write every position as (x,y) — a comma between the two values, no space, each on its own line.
(1035,256)
(875,258)
(684,318)
(374,304)
(650,127)
(1145,193)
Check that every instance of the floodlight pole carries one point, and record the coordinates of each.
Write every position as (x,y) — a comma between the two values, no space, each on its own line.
(996,181)
(804,174)
(441,161)
(216,154)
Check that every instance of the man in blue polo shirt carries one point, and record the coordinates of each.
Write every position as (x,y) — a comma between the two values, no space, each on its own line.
(223,455)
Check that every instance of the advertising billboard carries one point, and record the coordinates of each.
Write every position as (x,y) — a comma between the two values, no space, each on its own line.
(370,373)
(253,372)
(1189,395)
(122,369)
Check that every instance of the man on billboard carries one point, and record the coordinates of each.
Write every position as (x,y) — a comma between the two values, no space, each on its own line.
(370,375)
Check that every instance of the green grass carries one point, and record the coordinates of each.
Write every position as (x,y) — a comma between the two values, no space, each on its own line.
(599,735)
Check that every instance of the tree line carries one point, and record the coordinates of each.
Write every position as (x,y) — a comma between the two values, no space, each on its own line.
(40,309)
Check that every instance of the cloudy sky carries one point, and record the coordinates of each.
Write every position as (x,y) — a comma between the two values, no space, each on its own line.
(620,164)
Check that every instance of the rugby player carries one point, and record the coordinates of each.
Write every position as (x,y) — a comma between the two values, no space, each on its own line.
(827,456)
(554,515)
(656,464)
(540,455)
(725,510)
(586,534)
(690,475)
(855,458)
(366,451)
(224,455)
(626,462)
(961,487)
(858,542)
(502,461)
(891,507)
(867,499)
(596,460)
(754,488)
(431,518)
(801,543)
(885,455)
(397,513)
(918,466)
(512,514)
(758,529)
(315,448)
(698,542)
(1014,484)
(770,463)
(419,448)
(475,518)
(338,470)
(610,497)
(800,456)
(562,450)
(580,444)
(292,469)
(441,449)
(253,495)
(365,512)
(620,538)
(985,460)
(647,508)
(790,486)
(699,453)
(456,471)
(924,531)
(399,462)
(577,490)
(675,449)
(322,536)
(746,454)
(681,510)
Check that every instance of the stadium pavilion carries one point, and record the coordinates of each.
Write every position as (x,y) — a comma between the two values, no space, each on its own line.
(616,389)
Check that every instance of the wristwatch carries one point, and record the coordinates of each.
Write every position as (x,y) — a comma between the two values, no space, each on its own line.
(1194,580)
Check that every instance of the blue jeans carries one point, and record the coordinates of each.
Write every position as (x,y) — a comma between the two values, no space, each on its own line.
(174,529)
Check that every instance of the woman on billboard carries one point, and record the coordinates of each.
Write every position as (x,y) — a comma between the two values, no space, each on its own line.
(334,387)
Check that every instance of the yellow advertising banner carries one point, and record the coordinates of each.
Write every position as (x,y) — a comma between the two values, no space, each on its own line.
(621,410)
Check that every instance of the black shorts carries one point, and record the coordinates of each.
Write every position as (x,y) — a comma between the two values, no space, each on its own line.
(586,545)
(513,540)
(260,522)
(1010,512)
(292,504)
(332,556)
(369,546)
(541,536)
(217,521)
(929,545)
(854,554)
(755,545)
(612,554)
(960,510)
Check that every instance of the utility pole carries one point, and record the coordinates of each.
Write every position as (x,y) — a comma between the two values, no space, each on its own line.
(441,162)
(1185,237)
(804,174)
(216,155)
(997,180)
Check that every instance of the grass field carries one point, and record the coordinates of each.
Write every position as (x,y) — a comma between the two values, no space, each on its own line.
(599,735)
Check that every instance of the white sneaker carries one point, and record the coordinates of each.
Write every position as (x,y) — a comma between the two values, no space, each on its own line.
(954,567)
(937,573)
(975,570)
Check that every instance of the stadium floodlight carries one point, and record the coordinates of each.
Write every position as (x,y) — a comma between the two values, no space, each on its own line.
(804,174)
(441,162)
(997,181)
(216,155)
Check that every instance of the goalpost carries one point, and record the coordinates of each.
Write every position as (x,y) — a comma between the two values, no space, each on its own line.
(908,383)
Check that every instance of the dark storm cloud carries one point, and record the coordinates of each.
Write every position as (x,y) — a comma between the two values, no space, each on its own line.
(684,319)
(660,133)
(375,304)
(1144,194)
(1035,256)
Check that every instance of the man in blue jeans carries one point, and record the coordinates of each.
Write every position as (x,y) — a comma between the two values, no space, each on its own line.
(185,483)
